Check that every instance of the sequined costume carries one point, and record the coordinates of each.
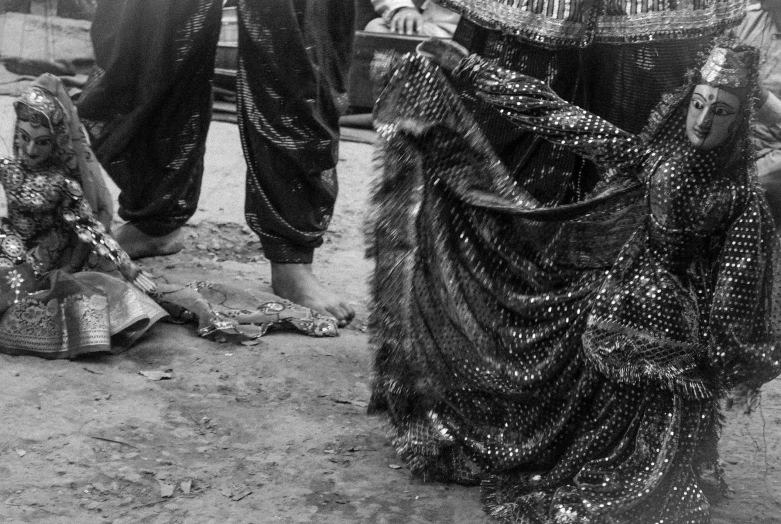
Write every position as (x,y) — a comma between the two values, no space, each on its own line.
(148,107)
(615,59)
(581,22)
(49,307)
(569,356)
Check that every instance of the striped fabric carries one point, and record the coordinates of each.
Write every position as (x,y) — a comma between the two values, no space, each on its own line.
(558,23)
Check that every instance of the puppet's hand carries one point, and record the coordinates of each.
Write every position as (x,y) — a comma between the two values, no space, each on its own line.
(145,283)
(445,53)
(135,276)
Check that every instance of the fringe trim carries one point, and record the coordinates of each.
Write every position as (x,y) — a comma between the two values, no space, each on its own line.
(671,375)
(585,22)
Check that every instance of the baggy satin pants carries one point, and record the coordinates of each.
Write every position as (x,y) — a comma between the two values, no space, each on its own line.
(148,108)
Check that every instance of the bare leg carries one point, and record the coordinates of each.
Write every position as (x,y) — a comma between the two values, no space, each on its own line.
(297,283)
(140,245)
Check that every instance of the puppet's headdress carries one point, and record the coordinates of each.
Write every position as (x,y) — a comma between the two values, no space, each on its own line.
(46,101)
(37,99)
(728,68)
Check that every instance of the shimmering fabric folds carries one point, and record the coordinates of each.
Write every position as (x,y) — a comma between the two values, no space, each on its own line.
(569,357)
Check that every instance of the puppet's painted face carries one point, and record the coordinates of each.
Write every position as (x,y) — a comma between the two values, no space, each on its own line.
(712,113)
(35,144)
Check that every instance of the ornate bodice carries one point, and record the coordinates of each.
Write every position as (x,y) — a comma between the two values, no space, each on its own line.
(37,199)
(46,209)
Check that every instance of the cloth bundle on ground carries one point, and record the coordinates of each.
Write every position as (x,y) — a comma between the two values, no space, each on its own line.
(225,311)
(570,357)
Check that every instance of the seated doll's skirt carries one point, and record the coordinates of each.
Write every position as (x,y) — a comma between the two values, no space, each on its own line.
(64,315)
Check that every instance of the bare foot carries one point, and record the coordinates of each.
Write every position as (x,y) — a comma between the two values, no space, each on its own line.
(140,245)
(297,283)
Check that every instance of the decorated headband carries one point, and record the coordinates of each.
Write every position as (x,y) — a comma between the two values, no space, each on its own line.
(44,103)
(728,68)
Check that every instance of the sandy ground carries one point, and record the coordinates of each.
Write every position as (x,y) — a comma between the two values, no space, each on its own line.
(272,432)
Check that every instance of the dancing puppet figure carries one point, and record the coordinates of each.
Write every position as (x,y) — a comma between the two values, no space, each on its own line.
(51,306)
(571,357)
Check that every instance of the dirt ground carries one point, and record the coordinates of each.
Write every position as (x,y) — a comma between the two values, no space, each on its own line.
(272,432)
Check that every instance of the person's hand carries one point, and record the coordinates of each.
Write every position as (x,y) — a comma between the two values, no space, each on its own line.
(406,21)
(445,53)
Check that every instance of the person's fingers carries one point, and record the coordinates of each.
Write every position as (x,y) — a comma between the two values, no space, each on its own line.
(395,24)
(415,24)
(407,21)
(399,23)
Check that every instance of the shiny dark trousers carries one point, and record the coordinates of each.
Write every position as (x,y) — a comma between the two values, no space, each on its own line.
(148,108)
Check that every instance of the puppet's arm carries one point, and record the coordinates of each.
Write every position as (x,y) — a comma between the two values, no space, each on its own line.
(532,105)
(77,214)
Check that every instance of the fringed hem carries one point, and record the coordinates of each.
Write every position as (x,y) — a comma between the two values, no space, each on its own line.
(521,506)
(649,372)
(576,26)
(101,349)
(621,362)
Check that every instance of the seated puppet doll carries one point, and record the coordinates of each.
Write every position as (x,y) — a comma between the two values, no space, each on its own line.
(66,286)
(50,306)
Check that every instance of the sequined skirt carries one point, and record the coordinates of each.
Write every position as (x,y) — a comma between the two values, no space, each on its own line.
(65,315)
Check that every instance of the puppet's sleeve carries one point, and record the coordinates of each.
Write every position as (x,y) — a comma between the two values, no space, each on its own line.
(744,319)
(533,106)
(77,214)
